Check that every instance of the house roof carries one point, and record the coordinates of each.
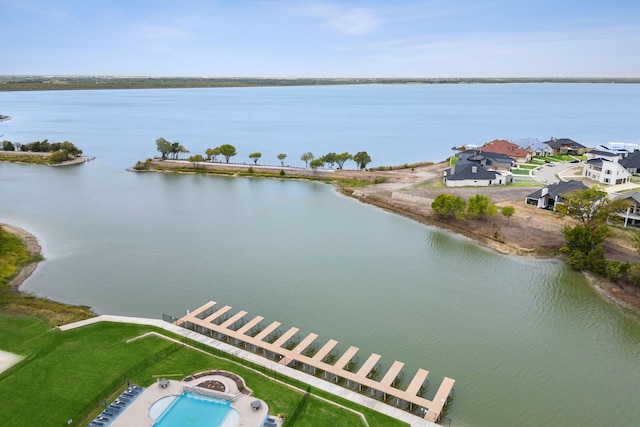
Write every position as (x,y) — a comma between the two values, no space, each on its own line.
(531,143)
(501,146)
(558,189)
(563,142)
(598,161)
(466,171)
(603,153)
(631,161)
(478,156)
(634,196)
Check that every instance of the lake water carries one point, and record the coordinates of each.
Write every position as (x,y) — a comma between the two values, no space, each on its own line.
(529,342)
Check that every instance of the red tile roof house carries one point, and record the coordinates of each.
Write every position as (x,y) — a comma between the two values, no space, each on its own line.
(501,146)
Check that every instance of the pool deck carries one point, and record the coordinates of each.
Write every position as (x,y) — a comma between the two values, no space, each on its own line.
(7,360)
(137,413)
(353,396)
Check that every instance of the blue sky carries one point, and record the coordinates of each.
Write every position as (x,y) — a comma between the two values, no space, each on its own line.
(300,38)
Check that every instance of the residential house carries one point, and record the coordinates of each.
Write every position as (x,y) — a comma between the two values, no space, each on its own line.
(565,146)
(605,168)
(603,153)
(552,195)
(506,148)
(494,161)
(631,163)
(536,147)
(631,216)
(470,174)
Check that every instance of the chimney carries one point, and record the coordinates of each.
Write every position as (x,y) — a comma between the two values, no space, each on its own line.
(474,169)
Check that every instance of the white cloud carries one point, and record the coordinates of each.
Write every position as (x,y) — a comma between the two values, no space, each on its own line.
(350,21)
(354,22)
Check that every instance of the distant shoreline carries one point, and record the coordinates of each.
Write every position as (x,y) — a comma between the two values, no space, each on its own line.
(29,83)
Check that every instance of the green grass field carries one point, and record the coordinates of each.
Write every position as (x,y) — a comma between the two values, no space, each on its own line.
(64,372)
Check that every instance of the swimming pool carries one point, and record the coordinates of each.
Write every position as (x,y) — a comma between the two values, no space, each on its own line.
(195,410)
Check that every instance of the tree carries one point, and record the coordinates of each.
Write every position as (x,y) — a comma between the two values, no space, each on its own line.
(227,151)
(59,156)
(254,157)
(306,158)
(177,148)
(316,163)
(449,206)
(8,146)
(70,148)
(195,159)
(163,146)
(362,159)
(633,274)
(341,158)
(592,207)
(636,241)
(330,158)
(212,153)
(281,157)
(584,242)
(508,212)
(480,207)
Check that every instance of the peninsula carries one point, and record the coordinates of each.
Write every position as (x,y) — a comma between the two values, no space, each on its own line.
(409,190)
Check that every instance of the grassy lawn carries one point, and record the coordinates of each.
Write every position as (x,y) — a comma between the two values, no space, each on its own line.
(520,172)
(524,183)
(527,166)
(63,372)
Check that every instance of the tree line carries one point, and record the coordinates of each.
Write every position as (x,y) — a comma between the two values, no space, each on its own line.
(172,150)
(584,242)
(594,212)
(60,151)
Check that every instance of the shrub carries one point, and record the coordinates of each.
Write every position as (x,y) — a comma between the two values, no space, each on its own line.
(282,172)
(142,166)
(449,206)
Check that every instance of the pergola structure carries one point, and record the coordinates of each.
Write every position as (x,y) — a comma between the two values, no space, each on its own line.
(288,351)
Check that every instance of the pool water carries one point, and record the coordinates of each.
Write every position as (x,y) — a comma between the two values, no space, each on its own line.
(194,410)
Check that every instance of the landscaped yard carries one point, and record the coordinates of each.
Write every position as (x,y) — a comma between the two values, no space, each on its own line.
(520,171)
(63,372)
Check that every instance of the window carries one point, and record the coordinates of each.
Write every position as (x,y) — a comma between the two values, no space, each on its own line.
(607,172)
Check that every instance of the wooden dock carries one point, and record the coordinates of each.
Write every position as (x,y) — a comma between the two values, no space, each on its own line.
(207,319)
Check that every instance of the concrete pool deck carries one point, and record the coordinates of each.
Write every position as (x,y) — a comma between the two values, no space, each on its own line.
(137,413)
(7,360)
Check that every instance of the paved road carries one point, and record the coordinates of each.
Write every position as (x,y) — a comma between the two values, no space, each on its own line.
(548,174)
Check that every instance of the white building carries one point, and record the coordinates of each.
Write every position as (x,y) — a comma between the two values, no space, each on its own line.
(605,169)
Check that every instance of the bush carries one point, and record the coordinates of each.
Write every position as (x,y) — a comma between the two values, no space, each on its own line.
(449,206)
(282,172)
(480,206)
(250,170)
(142,166)
(59,156)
